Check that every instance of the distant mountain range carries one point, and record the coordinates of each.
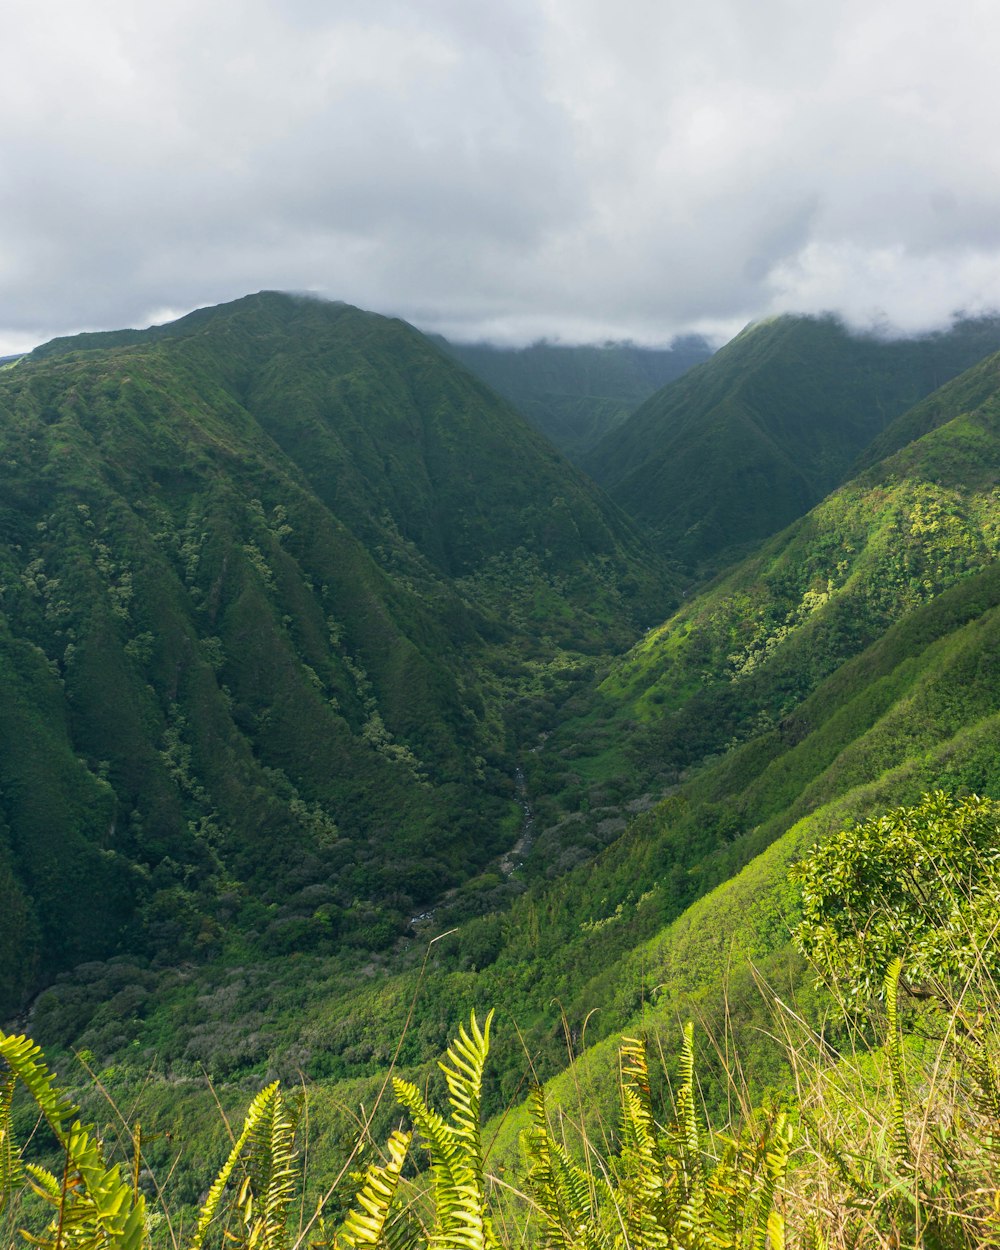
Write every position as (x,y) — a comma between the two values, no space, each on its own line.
(576,395)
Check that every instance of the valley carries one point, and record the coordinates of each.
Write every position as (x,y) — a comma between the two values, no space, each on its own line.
(339,704)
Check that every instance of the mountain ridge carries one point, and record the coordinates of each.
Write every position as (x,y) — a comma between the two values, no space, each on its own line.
(752,438)
(284,662)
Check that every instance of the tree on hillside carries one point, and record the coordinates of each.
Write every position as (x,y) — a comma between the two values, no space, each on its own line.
(921,884)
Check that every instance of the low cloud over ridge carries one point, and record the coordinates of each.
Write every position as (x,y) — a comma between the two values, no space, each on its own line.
(559,168)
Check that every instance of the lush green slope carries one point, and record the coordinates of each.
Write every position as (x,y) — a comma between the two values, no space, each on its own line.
(739,657)
(269,576)
(851,665)
(576,395)
(920,708)
(747,442)
(846,667)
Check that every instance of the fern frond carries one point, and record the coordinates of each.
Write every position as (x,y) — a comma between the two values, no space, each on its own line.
(686,1109)
(766,1223)
(258,1110)
(563,1191)
(43,1182)
(650,1199)
(894,1053)
(467,1057)
(812,1237)
(95,1208)
(107,1206)
(439,1136)
(272,1173)
(10,1158)
(27,1063)
(366,1227)
(638,1128)
(457,1166)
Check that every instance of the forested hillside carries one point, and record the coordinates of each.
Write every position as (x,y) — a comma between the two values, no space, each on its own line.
(271,576)
(315,661)
(576,395)
(741,446)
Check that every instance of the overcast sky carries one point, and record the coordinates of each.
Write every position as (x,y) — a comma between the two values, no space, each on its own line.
(576,169)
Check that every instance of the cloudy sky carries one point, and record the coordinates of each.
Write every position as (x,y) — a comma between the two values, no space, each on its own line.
(577,169)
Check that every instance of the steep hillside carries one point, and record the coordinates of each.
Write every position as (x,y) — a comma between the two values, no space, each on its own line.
(659,928)
(847,667)
(739,657)
(270,576)
(576,395)
(750,440)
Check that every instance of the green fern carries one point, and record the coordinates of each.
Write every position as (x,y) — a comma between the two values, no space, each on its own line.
(653,1183)
(272,1174)
(367,1226)
(10,1157)
(894,1053)
(27,1065)
(94,1206)
(565,1194)
(461,1211)
(670,1196)
(266,1147)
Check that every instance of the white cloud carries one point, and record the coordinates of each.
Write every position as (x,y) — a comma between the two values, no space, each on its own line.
(573,168)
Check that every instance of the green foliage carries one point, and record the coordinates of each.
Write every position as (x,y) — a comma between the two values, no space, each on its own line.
(917,885)
(907,1161)
(254,636)
(576,395)
(670,1194)
(94,1207)
(461,1212)
(264,1149)
(278,726)
(366,1223)
(749,441)
(566,1194)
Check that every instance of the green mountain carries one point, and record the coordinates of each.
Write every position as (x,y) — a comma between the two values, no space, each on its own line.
(271,577)
(738,657)
(845,666)
(745,443)
(577,395)
(659,915)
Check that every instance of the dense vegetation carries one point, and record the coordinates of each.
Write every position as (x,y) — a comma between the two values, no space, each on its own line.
(270,577)
(576,395)
(889,1143)
(750,440)
(311,650)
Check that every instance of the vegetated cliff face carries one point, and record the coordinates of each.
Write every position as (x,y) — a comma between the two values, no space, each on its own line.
(268,576)
(577,395)
(745,443)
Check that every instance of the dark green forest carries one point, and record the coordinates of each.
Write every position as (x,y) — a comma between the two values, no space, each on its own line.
(577,395)
(339,705)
